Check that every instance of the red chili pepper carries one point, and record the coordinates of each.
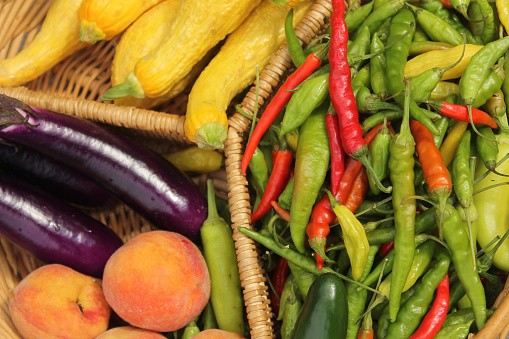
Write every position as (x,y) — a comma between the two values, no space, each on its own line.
(365,333)
(277,182)
(447,3)
(277,103)
(359,188)
(460,113)
(386,248)
(341,93)
(281,271)
(281,211)
(433,166)
(433,321)
(322,214)
(336,150)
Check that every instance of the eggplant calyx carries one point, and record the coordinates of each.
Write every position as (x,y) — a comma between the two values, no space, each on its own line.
(10,112)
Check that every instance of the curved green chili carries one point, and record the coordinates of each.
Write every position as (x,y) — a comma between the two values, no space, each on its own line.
(401,167)
(491,85)
(457,239)
(311,165)
(259,174)
(292,308)
(397,56)
(377,118)
(379,157)
(378,66)
(355,18)
(307,99)
(482,21)
(293,42)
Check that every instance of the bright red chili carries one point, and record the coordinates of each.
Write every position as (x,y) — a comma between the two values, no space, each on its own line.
(277,103)
(341,93)
(337,154)
(281,271)
(460,113)
(433,321)
(277,182)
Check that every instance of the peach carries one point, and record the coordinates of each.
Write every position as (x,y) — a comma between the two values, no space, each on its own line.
(217,334)
(158,281)
(54,301)
(129,332)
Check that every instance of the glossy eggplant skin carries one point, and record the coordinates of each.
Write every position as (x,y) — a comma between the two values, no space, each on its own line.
(52,230)
(54,177)
(139,177)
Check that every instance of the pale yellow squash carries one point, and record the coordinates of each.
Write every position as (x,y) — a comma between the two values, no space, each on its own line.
(233,69)
(139,40)
(105,19)
(200,25)
(57,39)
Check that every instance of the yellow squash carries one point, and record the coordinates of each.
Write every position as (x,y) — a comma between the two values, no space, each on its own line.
(139,40)
(199,26)
(57,39)
(442,58)
(233,69)
(105,19)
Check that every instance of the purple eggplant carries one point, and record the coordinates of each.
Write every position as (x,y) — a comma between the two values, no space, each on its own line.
(54,177)
(141,178)
(52,230)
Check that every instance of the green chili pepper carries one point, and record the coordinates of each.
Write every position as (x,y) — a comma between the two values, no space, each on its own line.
(363,77)
(487,150)
(208,317)
(288,286)
(379,15)
(456,237)
(377,118)
(355,18)
(359,46)
(378,65)
(441,124)
(415,308)
(397,56)
(292,308)
(479,67)
(401,167)
(360,94)
(357,298)
(482,21)
(220,254)
(324,312)
(307,99)
(285,199)
(436,28)
(293,42)
(420,35)
(259,174)
(378,157)
(311,165)
(491,85)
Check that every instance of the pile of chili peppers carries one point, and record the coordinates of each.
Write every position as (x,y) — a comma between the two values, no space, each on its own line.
(396,184)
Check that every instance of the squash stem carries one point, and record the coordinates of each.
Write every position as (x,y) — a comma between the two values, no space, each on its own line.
(131,86)
(211,136)
(89,32)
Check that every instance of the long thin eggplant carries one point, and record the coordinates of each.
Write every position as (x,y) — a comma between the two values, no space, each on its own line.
(141,178)
(54,177)
(52,230)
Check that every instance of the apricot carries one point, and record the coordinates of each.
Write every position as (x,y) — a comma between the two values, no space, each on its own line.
(129,332)
(217,334)
(157,281)
(54,301)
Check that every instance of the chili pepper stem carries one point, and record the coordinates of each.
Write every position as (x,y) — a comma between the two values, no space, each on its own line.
(362,155)
(374,206)
(469,108)
(485,174)
(471,236)
(491,186)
